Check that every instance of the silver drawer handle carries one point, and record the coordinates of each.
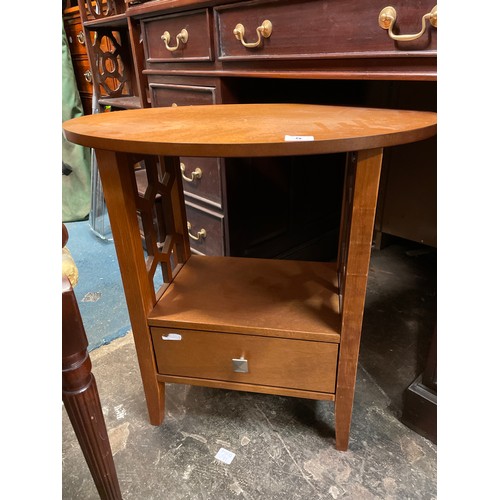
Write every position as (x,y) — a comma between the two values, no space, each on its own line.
(88,76)
(172,336)
(81,38)
(240,365)
(202,233)
(196,174)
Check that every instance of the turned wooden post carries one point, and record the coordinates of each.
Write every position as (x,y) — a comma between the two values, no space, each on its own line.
(81,398)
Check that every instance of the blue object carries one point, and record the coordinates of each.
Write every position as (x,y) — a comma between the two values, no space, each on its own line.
(99,290)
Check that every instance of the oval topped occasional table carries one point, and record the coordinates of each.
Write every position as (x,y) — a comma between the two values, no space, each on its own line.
(261,325)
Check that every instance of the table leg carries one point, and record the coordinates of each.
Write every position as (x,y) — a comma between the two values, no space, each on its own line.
(360,202)
(81,399)
(118,181)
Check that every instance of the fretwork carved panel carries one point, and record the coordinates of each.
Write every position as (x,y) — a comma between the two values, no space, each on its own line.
(101,9)
(163,225)
(110,60)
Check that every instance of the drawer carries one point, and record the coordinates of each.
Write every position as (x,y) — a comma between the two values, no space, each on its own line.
(83,75)
(201,179)
(322,29)
(203,184)
(195,26)
(167,94)
(206,230)
(294,364)
(76,39)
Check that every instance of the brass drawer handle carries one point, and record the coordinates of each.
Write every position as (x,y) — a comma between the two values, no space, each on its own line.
(196,174)
(181,37)
(387,18)
(264,30)
(199,235)
(88,76)
(81,38)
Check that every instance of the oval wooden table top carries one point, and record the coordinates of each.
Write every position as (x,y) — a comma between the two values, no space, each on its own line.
(235,130)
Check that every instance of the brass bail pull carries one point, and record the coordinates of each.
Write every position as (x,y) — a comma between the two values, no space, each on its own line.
(196,174)
(181,37)
(387,19)
(202,233)
(264,30)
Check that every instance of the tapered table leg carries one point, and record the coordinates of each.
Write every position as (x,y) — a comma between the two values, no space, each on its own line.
(360,203)
(118,181)
(81,399)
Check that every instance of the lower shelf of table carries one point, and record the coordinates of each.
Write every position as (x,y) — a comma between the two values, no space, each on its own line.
(267,297)
(280,317)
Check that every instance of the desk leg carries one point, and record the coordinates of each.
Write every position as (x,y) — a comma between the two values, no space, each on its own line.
(118,182)
(81,399)
(365,167)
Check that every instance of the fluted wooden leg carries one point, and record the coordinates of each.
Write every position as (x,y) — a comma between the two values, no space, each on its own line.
(81,399)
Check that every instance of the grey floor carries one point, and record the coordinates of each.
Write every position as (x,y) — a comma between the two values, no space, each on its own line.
(284,447)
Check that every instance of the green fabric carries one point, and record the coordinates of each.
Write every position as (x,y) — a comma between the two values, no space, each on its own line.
(76,190)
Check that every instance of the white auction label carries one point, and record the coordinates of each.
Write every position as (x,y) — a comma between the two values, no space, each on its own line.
(225,456)
(299,138)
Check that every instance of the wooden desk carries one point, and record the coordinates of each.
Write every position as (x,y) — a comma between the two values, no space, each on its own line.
(278,327)
(318,52)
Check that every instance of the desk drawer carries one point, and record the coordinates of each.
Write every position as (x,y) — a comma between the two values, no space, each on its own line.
(293,364)
(196,47)
(205,183)
(206,230)
(76,39)
(83,75)
(201,179)
(169,94)
(321,29)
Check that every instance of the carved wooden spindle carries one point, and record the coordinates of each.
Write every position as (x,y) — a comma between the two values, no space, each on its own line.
(81,398)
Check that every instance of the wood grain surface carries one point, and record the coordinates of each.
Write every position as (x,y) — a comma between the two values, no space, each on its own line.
(242,130)
(294,364)
(277,298)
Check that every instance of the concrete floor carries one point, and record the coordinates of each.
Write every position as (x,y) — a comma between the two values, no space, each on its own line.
(284,447)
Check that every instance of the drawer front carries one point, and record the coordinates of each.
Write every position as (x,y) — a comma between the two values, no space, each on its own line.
(293,364)
(322,29)
(206,230)
(190,36)
(167,94)
(201,179)
(83,75)
(205,183)
(76,39)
